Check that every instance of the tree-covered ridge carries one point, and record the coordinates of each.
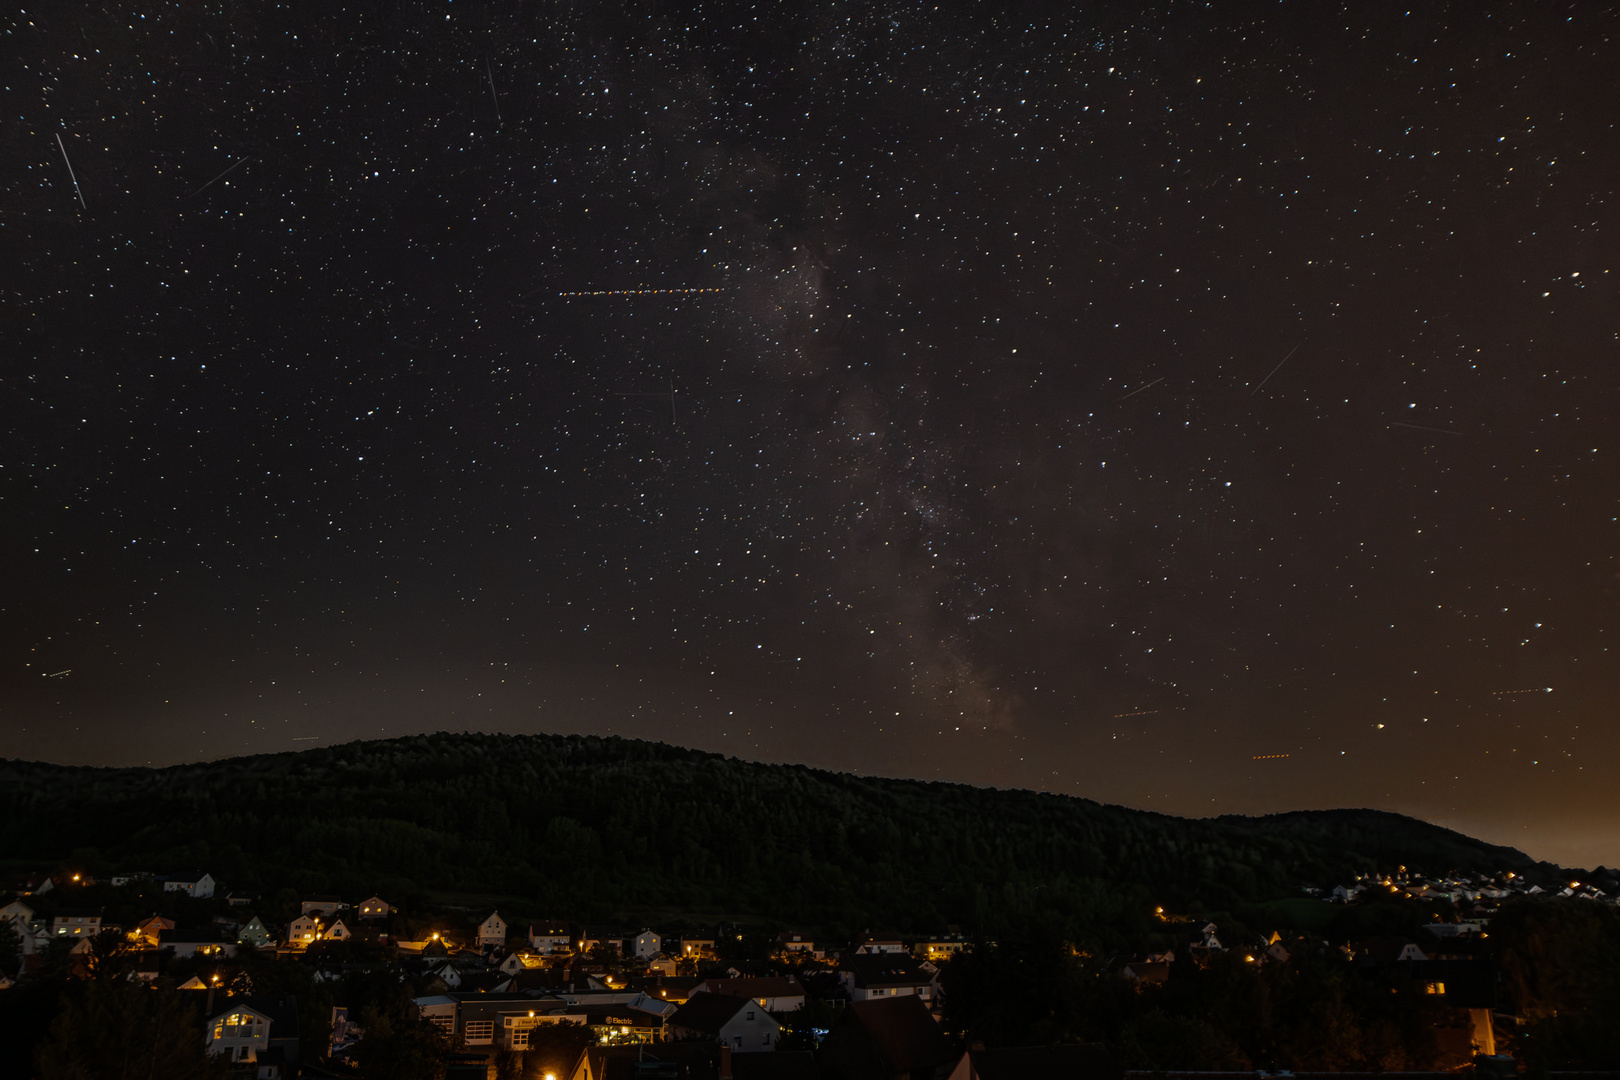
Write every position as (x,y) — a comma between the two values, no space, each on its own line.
(596,826)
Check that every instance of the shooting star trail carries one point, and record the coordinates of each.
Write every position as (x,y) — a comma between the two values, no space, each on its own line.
(61,146)
(1274,370)
(1139,389)
(216,179)
(491,73)
(1420,427)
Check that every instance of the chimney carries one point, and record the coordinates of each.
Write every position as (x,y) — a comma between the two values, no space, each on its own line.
(725,1062)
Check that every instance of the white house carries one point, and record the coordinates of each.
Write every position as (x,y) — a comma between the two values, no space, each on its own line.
(492,931)
(648,945)
(19,915)
(866,978)
(375,908)
(257,1031)
(302,930)
(320,905)
(76,922)
(199,885)
(549,937)
(885,942)
(213,941)
(742,1024)
(336,932)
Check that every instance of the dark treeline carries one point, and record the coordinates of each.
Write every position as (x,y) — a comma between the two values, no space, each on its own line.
(594,827)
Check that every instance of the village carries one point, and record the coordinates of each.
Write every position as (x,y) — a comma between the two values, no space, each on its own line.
(727,1002)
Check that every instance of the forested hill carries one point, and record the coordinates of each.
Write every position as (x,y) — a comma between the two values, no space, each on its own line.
(598,827)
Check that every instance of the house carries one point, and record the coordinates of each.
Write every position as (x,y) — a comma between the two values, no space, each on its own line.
(942,948)
(375,908)
(648,944)
(741,1023)
(321,905)
(549,937)
(795,941)
(668,1061)
(199,885)
(594,938)
(239,899)
(33,885)
(881,975)
(214,941)
(695,948)
(303,930)
(18,914)
(662,965)
(775,994)
(492,931)
(1082,1061)
(1146,973)
(518,960)
(76,922)
(261,1032)
(336,932)
(254,933)
(883,942)
(149,929)
(887,1039)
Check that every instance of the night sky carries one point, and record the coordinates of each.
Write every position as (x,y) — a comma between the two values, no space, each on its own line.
(1072,397)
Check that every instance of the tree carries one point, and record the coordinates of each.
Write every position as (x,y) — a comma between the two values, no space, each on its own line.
(117,1030)
(10,948)
(400,1045)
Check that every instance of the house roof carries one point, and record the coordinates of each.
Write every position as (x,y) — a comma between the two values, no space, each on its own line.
(78,913)
(281,1011)
(1086,1061)
(548,929)
(885,970)
(665,1061)
(212,935)
(769,987)
(1148,971)
(707,1012)
(902,1032)
(782,1065)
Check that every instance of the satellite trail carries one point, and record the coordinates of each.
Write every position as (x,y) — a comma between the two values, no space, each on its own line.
(638,292)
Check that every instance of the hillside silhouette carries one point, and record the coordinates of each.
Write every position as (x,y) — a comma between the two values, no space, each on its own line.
(607,827)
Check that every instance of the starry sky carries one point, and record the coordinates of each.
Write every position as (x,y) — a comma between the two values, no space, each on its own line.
(1206,408)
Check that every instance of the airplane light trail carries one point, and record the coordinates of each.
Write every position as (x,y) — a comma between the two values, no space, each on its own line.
(1268,757)
(1532,690)
(1148,712)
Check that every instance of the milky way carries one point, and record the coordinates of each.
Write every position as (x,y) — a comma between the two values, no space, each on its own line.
(1209,409)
